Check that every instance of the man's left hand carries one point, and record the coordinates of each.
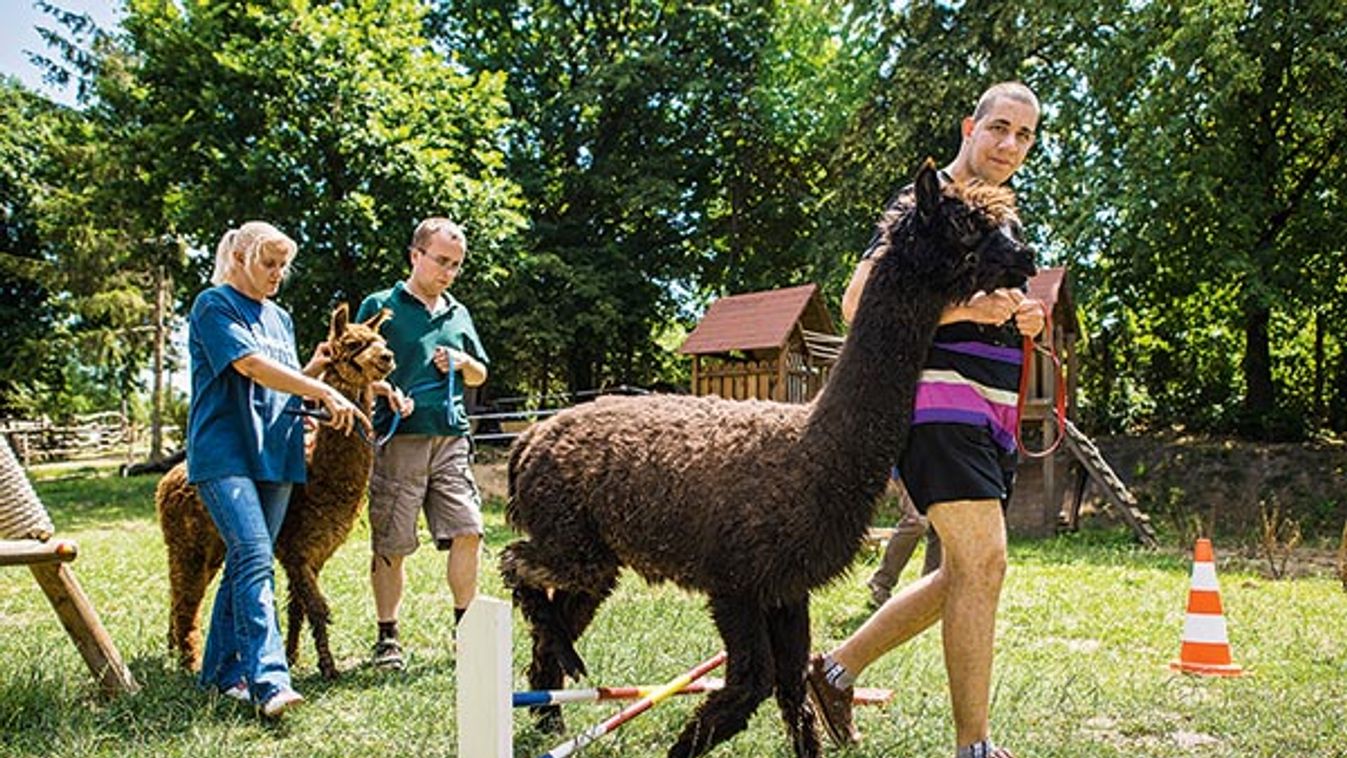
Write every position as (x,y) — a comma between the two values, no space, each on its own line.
(1029,317)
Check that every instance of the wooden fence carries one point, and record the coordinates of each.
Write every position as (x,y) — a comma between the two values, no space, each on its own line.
(36,441)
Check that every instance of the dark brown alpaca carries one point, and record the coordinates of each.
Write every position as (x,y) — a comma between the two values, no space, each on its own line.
(319,518)
(753,503)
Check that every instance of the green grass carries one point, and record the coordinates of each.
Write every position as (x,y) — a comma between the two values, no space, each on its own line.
(1087,626)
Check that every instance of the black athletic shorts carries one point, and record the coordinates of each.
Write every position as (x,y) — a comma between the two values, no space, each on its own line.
(945,462)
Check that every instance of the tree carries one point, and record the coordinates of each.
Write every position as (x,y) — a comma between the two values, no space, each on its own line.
(337,122)
(653,173)
(28,315)
(1212,175)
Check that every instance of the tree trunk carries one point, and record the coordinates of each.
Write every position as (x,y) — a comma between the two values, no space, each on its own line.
(157,395)
(1258,395)
(1320,407)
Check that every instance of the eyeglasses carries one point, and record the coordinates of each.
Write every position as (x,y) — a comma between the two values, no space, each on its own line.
(439,260)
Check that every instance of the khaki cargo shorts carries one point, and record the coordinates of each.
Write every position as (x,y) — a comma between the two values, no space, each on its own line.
(415,473)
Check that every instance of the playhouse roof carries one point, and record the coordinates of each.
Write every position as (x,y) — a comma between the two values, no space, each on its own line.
(758,320)
(1050,286)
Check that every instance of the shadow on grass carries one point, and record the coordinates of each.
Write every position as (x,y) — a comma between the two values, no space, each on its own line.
(44,714)
(1111,546)
(94,502)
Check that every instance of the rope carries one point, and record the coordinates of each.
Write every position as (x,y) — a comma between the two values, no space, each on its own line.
(22,515)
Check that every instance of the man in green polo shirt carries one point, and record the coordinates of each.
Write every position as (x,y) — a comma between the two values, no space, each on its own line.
(424,465)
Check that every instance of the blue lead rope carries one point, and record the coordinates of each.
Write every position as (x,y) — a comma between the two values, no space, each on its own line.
(321,414)
(450,412)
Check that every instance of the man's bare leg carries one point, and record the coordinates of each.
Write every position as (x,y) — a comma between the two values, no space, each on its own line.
(973,537)
(464,557)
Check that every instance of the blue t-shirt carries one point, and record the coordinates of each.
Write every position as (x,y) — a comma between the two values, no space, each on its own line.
(235,426)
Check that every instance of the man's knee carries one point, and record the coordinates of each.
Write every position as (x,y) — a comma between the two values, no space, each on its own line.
(380,563)
(973,542)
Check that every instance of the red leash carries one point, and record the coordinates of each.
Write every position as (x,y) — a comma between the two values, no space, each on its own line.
(1025,368)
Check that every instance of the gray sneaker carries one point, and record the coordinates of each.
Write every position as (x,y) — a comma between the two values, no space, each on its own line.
(879,594)
(388,655)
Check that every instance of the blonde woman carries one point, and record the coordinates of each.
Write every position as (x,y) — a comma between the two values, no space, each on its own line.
(244,452)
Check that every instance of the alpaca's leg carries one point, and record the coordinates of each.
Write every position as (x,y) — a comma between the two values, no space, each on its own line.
(748,678)
(556,619)
(565,613)
(546,671)
(304,586)
(788,627)
(190,571)
(294,614)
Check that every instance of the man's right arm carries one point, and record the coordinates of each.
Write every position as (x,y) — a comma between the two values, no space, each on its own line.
(852,297)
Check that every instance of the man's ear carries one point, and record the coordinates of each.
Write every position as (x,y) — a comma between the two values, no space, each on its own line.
(340,318)
(928,190)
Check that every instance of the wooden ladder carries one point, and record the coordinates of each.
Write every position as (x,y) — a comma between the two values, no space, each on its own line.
(1093,466)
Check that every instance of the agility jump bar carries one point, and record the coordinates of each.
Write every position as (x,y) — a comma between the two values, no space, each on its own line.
(637,708)
(530,698)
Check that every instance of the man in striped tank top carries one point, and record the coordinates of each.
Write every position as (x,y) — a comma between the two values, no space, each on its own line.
(959,463)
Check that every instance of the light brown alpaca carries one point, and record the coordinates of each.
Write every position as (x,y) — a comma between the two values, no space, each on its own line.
(320,515)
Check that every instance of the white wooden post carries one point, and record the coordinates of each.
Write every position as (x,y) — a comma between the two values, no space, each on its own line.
(484,667)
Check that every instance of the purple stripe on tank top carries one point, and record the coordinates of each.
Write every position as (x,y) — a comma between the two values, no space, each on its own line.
(1004,439)
(1013,355)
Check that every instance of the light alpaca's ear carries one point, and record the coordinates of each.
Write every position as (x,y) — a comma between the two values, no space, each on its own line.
(928,191)
(378,319)
(340,317)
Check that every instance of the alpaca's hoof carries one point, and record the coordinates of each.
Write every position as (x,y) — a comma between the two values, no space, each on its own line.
(549,720)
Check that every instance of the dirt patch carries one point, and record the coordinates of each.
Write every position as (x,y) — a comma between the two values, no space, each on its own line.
(1228,484)
(489,469)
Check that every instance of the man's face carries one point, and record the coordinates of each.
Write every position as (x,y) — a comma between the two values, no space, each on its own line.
(437,265)
(997,143)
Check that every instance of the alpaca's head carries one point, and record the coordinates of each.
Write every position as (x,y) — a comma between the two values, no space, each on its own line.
(359,356)
(960,238)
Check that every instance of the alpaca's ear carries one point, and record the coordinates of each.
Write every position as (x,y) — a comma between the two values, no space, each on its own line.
(340,317)
(928,190)
(378,319)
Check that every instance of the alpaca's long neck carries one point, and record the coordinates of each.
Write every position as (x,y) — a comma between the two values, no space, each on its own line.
(859,423)
(337,456)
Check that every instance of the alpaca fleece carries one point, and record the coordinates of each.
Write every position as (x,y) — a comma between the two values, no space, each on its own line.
(753,503)
(318,520)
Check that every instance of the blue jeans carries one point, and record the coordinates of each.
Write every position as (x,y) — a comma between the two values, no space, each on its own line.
(244,641)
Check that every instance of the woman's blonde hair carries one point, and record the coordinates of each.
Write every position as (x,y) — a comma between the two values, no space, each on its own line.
(249,239)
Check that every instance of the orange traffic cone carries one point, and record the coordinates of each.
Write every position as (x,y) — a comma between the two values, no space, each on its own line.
(1206,649)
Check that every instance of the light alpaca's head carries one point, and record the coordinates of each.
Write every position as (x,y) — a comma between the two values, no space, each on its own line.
(961,238)
(359,356)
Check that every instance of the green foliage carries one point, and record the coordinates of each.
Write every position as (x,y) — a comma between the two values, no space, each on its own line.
(666,158)
(619,166)
(1204,147)
(27,314)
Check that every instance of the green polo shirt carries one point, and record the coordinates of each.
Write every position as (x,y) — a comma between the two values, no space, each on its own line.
(413,333)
